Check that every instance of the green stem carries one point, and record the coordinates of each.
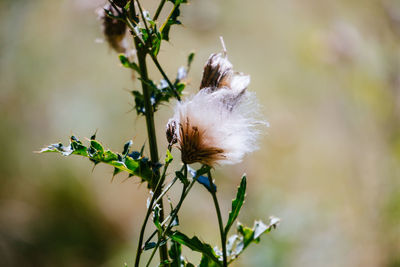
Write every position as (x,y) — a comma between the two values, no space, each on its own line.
(158,11)
(174,213)
(154,58)
(220,223)
(149,210)
(151,133)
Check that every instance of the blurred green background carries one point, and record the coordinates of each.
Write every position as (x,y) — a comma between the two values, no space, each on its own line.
(327,74)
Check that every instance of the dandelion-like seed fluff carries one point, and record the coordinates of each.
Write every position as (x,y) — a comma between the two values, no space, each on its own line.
(219,124)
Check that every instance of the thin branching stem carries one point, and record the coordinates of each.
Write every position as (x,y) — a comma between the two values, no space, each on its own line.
(153,200)
(160,69)
(174,213)
(169,16)
(144,21)
(154,59)
(158,11)
(151,132)
(220,223)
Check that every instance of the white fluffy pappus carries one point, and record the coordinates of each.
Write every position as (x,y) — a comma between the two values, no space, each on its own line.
(219,124)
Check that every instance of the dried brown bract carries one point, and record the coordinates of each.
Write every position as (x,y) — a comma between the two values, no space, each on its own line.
(195,146)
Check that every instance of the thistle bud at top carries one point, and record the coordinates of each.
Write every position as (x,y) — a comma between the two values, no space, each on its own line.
(218,125)
(114,30)
(217,72)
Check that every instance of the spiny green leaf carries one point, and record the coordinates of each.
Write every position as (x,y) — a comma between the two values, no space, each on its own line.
(172,20)
(140,166)
(109,156)
(196,245)
(236,204)
(246,235)
(96,146)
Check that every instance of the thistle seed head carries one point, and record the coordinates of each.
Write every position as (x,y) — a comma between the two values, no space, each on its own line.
(219,124)
(114,30)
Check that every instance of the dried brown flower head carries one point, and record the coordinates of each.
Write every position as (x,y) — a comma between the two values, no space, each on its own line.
(217,73)
(195,146)
(114,30)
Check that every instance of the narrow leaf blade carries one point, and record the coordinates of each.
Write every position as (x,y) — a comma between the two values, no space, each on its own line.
(237,204)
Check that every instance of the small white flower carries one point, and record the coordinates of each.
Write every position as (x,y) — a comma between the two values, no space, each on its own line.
(217,125)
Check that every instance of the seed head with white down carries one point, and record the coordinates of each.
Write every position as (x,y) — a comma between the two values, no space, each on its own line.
(219,124)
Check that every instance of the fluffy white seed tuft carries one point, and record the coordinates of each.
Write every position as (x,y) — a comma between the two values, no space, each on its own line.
(219,124)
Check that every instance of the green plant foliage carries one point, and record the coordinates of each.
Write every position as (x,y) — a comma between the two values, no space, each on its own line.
(128,64)
(236,204)
(195,244)
(182,178)
(173,19)
(156,218)
(133,164)
(159,94)
(207,262)
(246,235)
(175,252)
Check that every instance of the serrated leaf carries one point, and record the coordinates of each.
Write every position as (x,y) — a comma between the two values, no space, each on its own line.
(246,235)
(109,156)
(195,244)
(132,164)
(96,146)
(236,204)
(172,20)
(140,166)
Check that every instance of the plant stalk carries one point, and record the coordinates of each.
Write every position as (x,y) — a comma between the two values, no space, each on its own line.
(159,8)
(151,133)
(220,223)
(174,213)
